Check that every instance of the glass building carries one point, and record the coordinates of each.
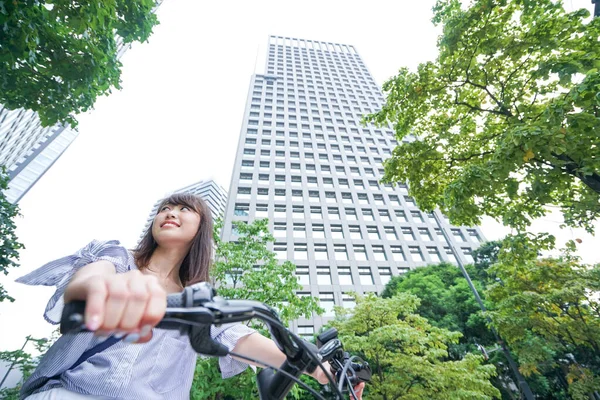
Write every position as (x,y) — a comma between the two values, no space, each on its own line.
(27,149)
(305,161)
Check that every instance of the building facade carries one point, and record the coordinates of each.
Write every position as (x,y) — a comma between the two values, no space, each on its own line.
(214,195)
(27,149)
(305,161)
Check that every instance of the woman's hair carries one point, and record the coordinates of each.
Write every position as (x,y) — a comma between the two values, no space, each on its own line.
(196,264)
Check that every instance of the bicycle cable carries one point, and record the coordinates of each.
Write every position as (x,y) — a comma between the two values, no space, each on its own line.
(298,381)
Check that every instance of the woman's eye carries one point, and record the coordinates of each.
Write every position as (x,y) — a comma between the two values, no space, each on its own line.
(165,208)
(185,208)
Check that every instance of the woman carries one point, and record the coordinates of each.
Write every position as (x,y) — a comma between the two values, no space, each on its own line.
(125,294)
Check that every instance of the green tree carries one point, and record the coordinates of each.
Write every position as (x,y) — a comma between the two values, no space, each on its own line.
(9,243)
(57,57)
(409,356)
(506,119)
(447,302)
(22,361)
(247,269)
(548,312)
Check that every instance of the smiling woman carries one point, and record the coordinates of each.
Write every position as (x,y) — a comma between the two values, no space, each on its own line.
(125,293)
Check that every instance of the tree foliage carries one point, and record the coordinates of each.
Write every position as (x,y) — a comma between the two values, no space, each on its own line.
(247,269)
(57,57)
(506,120)
(408,355)
(447,302)
(9,243)
(24,362)
(548,312)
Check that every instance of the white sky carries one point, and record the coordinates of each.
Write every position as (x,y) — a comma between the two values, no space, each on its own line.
(177,121)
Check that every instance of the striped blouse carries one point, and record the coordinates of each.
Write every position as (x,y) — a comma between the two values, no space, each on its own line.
(159,369)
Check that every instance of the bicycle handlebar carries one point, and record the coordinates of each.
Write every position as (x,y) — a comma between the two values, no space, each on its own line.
(194,310)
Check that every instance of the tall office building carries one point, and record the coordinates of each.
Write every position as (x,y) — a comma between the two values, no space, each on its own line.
(305,162)
(27,149)
(214,195)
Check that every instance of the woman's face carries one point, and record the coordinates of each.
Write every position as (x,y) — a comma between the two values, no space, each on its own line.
(175,225)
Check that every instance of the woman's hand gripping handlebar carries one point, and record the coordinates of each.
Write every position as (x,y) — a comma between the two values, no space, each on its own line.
(197,308)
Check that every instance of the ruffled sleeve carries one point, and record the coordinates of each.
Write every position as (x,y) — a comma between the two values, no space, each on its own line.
(228,335)
(59,272)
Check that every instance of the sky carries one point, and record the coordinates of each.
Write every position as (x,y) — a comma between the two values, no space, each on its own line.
(177,120)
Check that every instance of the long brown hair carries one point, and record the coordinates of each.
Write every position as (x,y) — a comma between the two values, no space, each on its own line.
(196,264)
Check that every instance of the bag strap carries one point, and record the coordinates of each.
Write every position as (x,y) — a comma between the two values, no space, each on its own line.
(88,353)
(96,349)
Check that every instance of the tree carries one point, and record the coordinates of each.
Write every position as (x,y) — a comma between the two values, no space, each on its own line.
(22,361)
(408,356)
(9,244)
(548,312)
(506,119)
(247,269)
(57,57)
(446,301)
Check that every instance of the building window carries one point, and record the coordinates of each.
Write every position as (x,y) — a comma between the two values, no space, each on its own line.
(321,251)
(458,236)
(360,253)
(415,253)
(262,211)
(390,233)
(318,231)
(440,235)
(385,215)
(474,235)
(379,253)
(241,209)
(303,275)
(300,251)
(337,232)
(279,211)
(365,275)
(373,233)
(323,275)
(348,301)
(397,253)
(351,214)
(408,234)
(326,302)
(298,212)
(299,231)
(280,250)
(341,254)
(385,274)
(345,276)
(333,213)
(315,213)
(297,195)
(434,254)
(368,214)
(401,215)
(355,232)
(243,192)
(450,255)
(279,229)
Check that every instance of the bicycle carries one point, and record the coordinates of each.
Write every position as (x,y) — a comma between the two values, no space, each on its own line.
(197,307)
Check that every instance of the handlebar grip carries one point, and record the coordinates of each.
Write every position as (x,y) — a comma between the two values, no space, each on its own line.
(72,318)
(176,300)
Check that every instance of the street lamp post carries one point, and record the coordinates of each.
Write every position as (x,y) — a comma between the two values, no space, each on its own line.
(524,387)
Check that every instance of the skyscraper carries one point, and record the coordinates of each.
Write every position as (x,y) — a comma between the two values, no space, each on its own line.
(27,149)
(214,195)
(305,162)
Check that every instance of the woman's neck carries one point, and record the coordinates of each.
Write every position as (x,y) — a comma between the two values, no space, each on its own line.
(165,264)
